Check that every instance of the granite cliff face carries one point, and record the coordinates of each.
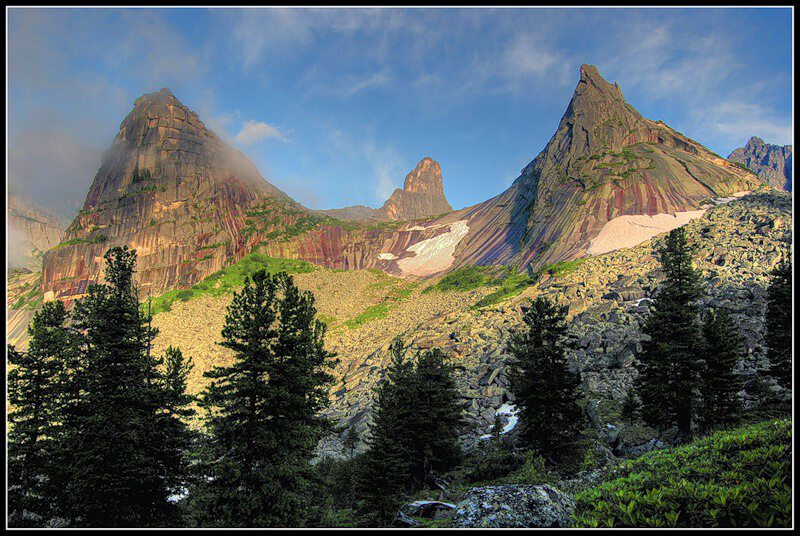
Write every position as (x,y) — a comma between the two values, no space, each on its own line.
(31,232)
(171,189)
(422,195)
(191,205)
(772,163)
(605,160)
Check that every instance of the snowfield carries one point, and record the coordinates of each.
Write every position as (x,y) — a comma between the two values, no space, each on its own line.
(434,254)
(511,412)
(631,230)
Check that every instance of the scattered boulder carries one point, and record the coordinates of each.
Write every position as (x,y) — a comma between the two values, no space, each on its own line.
(428,509)
(402,520)
(514,506)
(633,441)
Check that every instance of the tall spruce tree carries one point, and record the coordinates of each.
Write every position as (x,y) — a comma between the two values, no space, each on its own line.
(263,411)
(118,444)
(439,418)
(417,420)
(387,470)
(544,388)
(669,373)
(779,324)
(172,437)
(35,416)
(719,382)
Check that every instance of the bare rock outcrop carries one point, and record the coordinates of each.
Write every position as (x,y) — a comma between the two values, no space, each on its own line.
(772,163)
(174,191)
(422,195)
(605,160)
(31,232)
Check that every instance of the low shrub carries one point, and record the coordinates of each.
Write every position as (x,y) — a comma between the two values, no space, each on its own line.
(736,478)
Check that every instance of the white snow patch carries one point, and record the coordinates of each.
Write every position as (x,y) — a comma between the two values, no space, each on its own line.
(512,412)
(628,231)
(434,254)
(415,228)
(387,256)
(640,300)
(631,230)
(181,494)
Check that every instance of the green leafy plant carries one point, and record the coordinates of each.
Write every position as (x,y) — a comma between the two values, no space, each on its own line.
(735,478)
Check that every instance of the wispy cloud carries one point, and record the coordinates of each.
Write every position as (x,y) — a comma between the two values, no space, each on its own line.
(256,131)
(378,166)
(372,81)
(737,121)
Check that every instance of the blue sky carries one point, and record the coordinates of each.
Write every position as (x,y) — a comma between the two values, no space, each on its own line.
(335,106)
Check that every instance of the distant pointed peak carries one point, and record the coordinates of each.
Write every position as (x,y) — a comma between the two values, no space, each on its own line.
(427,161)
(426,176)
(162,95)
(590,75)
(755,141)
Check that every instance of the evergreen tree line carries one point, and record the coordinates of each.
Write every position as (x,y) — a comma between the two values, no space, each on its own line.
(99,427)
(688,376)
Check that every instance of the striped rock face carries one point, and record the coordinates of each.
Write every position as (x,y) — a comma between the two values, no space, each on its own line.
(605,160)
(191,205)
(171,189)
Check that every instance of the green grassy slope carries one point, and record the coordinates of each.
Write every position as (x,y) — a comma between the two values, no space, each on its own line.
(737,478)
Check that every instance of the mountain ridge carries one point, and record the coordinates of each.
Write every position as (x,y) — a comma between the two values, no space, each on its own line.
(192,205)
(772,163)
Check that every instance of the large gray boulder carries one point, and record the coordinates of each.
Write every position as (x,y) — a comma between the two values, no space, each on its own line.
(514,506)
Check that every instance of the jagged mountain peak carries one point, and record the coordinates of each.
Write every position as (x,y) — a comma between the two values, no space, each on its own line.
(604,161)
(772,163)
(172,189)
(592,80)
(426,177)
(422,195)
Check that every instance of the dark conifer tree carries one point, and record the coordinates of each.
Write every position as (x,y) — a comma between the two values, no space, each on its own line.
(118,444)
(544,388)
(172,437)
(779,324)
(720,383)
(631,406)
(417,419)
(438,419)
(387,468)
(669,373)
(35,416)
(263,411)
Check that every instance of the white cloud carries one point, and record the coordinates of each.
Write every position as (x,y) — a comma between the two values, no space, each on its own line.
(370,82)
(737,121)
(256,131)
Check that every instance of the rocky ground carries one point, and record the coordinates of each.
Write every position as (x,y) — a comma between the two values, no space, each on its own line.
(738,244)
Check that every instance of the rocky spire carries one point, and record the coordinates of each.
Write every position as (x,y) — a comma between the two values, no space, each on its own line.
(422,195)
(172,189)
(605,160)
